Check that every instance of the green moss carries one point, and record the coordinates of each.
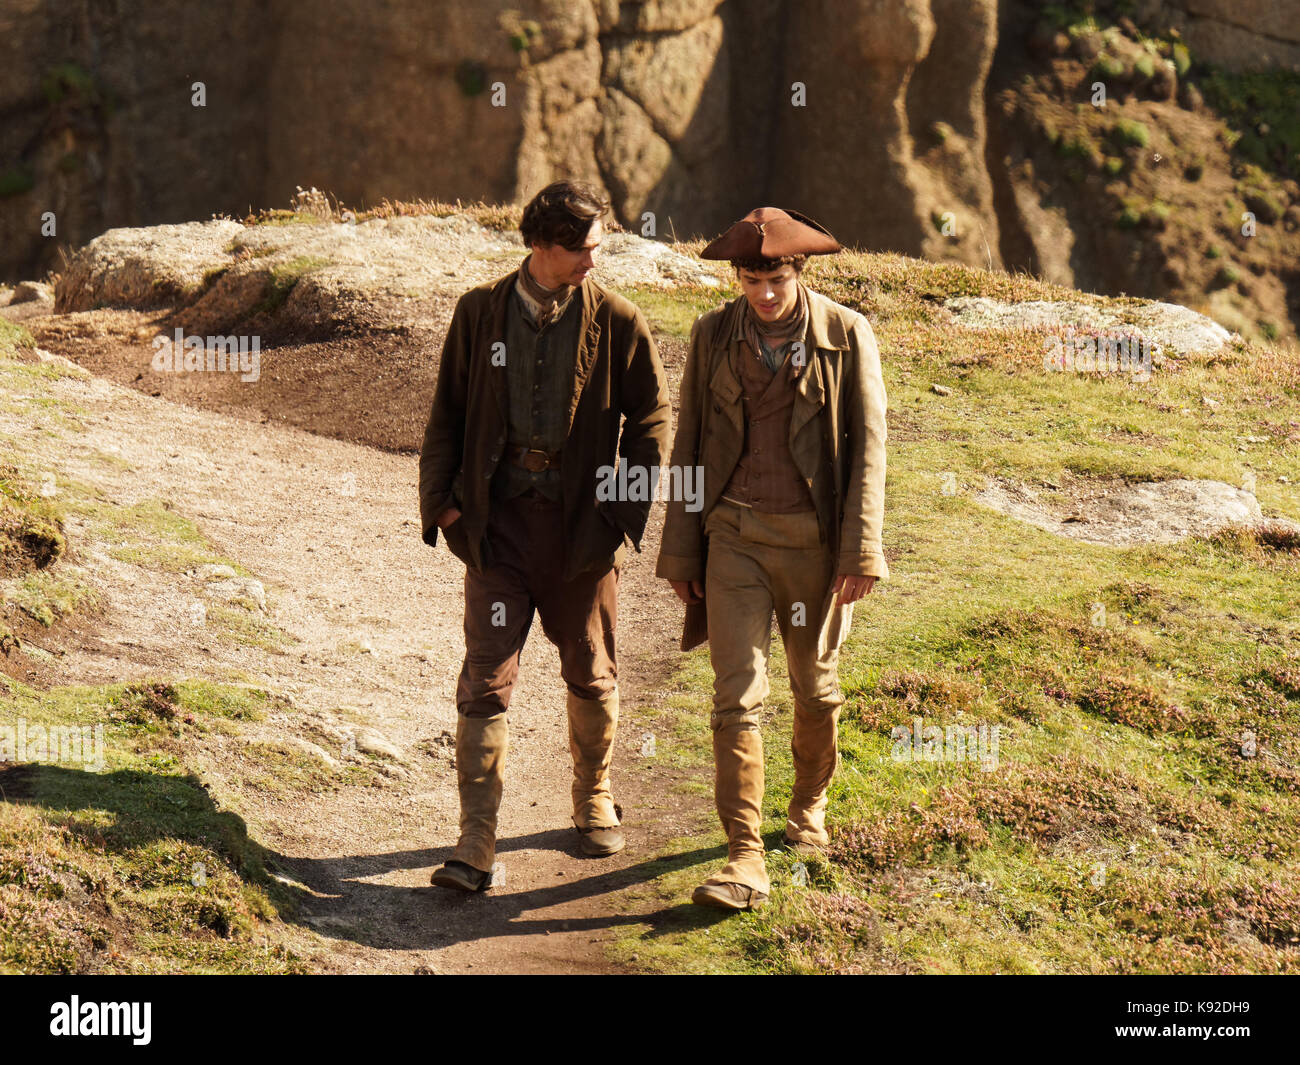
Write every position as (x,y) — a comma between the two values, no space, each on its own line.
(1156,214)
(1263,109)
(241,624)
(1129,217)
(1131,132)
(284,276)
(69,79)
(471,77)
(1077,145)
(1109,68)
(49,597)
(15,181)
(31,526)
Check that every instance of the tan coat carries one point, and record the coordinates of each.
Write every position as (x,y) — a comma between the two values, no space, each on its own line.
(837,436)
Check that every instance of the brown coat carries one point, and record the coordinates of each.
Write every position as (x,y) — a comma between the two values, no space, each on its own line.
(618,379)
(837,435)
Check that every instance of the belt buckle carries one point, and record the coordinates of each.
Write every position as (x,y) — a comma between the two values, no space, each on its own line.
(531,464)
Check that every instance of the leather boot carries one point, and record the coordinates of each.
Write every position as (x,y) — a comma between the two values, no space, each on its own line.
(480,771)
(592,724)
(815,746)
(738,787)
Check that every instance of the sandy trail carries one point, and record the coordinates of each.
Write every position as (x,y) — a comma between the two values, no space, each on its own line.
(331,528)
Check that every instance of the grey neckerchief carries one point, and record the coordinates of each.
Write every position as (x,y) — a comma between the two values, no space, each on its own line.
(774,357)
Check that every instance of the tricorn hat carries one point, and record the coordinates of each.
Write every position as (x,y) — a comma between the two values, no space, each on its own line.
(770,233)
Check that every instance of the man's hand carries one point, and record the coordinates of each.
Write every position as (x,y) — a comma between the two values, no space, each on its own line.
(688,591)
(447,517)
(852,587)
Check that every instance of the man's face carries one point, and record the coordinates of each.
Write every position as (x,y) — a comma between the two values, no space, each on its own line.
(771,293)
(554,265)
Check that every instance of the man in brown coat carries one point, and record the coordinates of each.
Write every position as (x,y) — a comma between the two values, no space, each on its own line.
(783,405)
(539,372)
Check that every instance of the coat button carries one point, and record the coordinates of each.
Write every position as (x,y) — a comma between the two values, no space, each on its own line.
(717,409)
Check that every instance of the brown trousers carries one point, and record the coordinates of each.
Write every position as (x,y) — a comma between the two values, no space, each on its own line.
(526,535)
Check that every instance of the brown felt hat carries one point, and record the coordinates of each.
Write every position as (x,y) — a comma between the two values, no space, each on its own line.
(770,233)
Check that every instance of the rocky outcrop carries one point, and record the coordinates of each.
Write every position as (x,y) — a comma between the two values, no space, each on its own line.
(219,274)
(868,114)
(1239,34)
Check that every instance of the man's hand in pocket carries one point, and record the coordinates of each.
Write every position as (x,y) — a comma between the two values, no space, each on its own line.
(688,591)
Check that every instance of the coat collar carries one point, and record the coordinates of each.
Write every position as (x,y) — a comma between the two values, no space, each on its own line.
(592,294)
(825,325)
(826,333)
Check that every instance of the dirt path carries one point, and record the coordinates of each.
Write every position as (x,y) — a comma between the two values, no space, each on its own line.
(331,529)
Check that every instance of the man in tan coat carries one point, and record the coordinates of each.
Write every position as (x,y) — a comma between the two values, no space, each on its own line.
(783,405)
(547,382)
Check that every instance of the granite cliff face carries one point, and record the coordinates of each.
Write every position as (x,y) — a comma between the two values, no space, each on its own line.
(872,115)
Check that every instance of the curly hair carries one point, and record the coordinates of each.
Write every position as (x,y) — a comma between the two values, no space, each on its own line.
(562,213)
(761,265)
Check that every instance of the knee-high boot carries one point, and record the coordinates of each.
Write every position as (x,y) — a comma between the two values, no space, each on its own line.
(815,746)
(480,772)
(738,787)
(592,726)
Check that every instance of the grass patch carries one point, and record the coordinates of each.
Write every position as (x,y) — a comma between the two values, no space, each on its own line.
(50,597)
(1141,815)
(148,533)
(31,526)
(118,859)
(243,625)
(672,312)
(13,336)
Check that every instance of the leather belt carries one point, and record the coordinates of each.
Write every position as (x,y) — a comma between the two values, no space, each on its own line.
(534,460)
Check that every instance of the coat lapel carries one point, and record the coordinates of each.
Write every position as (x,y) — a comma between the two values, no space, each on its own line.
(825,334)
(727,388)
(496,369)
(809,395)
(589,331)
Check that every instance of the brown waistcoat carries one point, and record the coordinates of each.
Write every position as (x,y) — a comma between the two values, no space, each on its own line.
(766,477)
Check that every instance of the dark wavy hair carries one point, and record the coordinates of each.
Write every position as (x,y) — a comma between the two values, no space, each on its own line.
(562,213)
(762,265)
